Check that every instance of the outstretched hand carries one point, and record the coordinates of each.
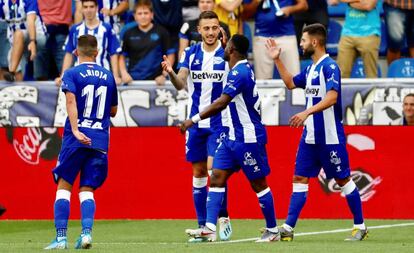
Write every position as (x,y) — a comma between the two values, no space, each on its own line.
(166,65)
(185,125)
(272,49)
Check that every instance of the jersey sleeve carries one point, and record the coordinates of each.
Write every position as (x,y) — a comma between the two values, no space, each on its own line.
(30,7)
(125,45)
(183,34)
(332,76)
(70,42)
(68,84)
(300,79)
(184,59)
(113,43)
(235,84)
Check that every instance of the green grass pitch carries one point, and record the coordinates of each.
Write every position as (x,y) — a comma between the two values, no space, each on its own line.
(168,236)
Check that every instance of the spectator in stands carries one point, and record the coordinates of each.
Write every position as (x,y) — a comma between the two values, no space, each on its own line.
(4,49)
(57,16)
(361,35)
(316,13)
(189,34)
(109,11)
(143,46)
(168,14)
(229,12)
(408,110)
(190,10)
(274,20)
(25,30)
(108,44)
(399,20)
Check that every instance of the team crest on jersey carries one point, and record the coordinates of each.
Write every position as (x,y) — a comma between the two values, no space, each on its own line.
(249,160)
(315,74)
(234,72)
(196,62)
(154,36)
(332,66)
(334,157)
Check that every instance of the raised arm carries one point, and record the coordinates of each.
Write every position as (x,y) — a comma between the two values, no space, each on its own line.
(274,52)
(178,80)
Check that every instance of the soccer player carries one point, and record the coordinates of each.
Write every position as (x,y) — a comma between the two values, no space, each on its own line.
(245,146)
(203,69)
(91,99)
(108,48)
(323,140)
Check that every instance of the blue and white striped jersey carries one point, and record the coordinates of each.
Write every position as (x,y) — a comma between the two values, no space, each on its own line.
(207,75)
(114,21)
(15,14)
(108,43)
(244,109)
(317,79)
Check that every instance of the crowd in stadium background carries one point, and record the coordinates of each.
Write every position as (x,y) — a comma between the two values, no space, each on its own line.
(33,34)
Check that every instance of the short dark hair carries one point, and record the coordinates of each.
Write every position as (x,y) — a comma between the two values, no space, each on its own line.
(317,30)
(87,45)
(241,44)
(207,15)
(143,3)
(409,95)
(95,1)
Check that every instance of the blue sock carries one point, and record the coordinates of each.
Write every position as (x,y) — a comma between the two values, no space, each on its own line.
(62,208)
(354,203)
(223,209)
(215,199)
(87,215)
(200,199)
(297,202)
(268,209)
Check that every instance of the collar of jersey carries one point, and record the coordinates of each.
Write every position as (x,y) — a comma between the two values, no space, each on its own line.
(321,59)
(217,48)
(88,62)
(239,62)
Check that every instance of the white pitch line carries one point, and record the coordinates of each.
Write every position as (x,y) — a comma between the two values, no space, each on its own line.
(326,232)
(232,241)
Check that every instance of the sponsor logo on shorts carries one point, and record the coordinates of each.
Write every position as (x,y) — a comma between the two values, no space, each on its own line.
(249,160)
(334,158)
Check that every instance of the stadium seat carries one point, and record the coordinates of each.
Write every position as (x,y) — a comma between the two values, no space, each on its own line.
(358,69)
(403,67)
(337,10)
(334,34)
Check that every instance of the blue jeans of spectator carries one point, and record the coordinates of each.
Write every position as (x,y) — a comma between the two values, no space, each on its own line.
(53,52)
(4,45)
(400,27)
